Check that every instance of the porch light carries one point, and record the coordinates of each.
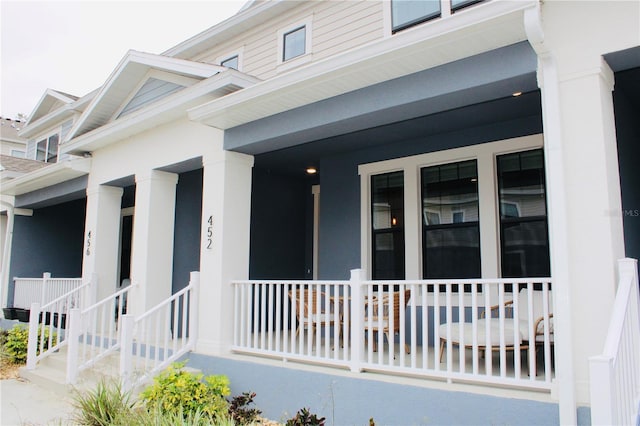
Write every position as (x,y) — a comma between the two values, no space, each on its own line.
(394,221)
(312,170)
(516,94)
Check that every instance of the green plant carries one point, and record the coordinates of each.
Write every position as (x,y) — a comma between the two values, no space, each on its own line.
(305,418)
(17,341)
(176,390)
(239,410)
(107,404)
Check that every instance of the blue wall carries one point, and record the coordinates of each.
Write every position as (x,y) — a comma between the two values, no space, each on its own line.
(339,245)
(186,240)
(49,241)
(627,111)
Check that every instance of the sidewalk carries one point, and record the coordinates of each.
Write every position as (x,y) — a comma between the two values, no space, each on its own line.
(26,404)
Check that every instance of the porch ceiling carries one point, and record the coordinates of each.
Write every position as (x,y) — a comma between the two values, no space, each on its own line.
(294,160)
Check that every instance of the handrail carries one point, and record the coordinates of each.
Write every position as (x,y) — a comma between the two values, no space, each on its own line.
(53,315)
(158,337)
(615,374)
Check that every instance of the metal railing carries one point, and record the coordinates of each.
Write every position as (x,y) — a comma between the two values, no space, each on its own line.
(615,374)
(497,331)
(42,290)
(48,323)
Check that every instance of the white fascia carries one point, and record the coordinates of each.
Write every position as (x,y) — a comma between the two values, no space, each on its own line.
(55,117)
(47,176)
(231,27)
(479,29)
(159,112)
(177,66)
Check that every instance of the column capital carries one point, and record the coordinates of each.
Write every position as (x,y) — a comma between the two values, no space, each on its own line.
(227,157)
(105,189)
(157,175)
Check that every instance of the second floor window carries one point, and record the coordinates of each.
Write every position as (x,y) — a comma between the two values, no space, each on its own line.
(47,149)
(294,43)
(406,13)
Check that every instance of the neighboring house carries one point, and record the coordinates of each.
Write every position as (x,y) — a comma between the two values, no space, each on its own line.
(10,143)
(451,140)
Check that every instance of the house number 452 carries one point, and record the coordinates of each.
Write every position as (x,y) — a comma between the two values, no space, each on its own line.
(209,232)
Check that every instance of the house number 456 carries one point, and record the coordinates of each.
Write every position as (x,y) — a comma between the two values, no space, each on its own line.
(209,232)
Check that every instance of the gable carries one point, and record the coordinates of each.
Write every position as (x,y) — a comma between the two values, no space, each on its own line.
(135,74)
(51,100)
(152,90)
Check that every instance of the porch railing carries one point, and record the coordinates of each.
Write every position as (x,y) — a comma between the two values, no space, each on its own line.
(498,331)
(42,290)
(48,323)
(615,375)
(160,336)
(94,332)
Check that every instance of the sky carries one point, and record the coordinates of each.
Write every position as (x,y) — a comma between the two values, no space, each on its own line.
(73,46)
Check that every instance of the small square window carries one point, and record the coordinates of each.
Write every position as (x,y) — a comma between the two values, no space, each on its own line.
(294,43)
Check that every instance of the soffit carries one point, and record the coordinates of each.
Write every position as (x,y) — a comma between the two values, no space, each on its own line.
(480,29)
(127,76)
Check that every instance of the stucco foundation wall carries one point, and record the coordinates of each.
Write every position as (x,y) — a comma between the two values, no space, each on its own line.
(352,399)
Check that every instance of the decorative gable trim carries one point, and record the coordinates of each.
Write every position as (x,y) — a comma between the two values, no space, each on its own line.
(128,78)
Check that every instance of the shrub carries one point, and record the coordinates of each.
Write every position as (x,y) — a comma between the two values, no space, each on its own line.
(106,405)
(17,341)
(239,411)
(176,390)
(305,418)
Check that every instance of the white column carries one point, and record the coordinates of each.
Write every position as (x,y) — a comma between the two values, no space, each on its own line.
(226,216)
(152,243)
(594,232)
(102,227)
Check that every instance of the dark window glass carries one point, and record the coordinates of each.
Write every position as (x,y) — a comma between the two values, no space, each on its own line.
(52,150)
(450,221)
(41,150)
(294,43)
(405,13)
(524,244)
(387,219)
(460,4)
(231,62)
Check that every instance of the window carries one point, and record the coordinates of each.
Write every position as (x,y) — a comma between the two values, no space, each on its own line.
(294,43)
(231,62)
(450,244)
(47,149)
(406,13)
(524,242)
(460,4)
(387,220)
(18,153)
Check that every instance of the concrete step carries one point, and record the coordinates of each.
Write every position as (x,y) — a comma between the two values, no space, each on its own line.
(50,373)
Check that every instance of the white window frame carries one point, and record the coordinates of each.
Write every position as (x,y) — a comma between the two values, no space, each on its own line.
(298,60)
(489,213)
(46,146)
(239,53)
